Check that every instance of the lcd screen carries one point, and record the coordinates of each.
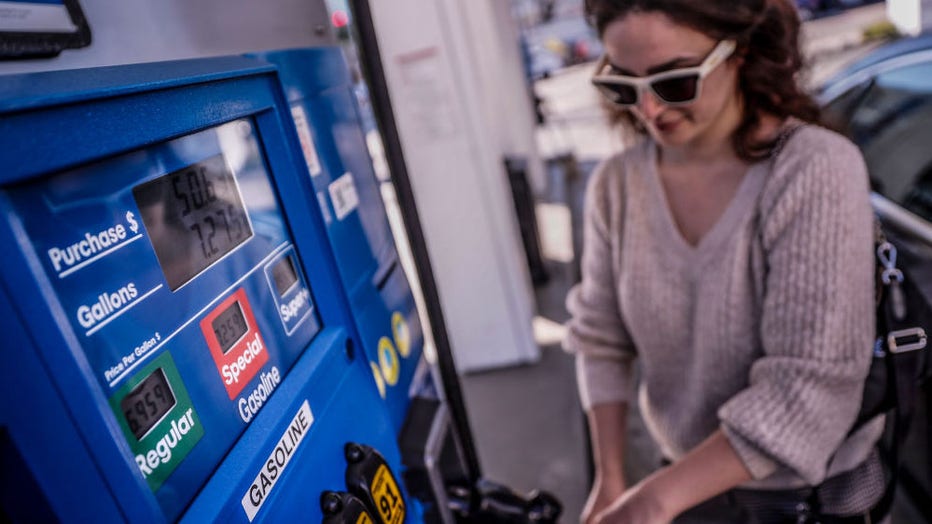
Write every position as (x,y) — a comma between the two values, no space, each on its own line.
(33,28)
(229,326)
(194,216)
(284,275)
(35,16)
(147,403)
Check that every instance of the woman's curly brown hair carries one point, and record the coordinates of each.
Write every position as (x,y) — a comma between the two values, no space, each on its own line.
(767,34)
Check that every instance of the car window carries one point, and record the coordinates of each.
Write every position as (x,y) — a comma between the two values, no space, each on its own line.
(837,113)
(890,119)
(893,95)
(916,78)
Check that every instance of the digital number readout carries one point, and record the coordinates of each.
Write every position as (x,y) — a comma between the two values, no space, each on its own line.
(229,326)
(147,403)
(194,216)
(284,274)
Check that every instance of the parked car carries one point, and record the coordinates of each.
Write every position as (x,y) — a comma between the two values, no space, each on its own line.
(814,8)
(883,102)
(808,8)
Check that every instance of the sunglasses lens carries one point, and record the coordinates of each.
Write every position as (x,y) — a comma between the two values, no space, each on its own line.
(619,93)
(679,89)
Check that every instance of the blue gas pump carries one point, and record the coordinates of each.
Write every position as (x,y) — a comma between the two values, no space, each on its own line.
(179,341)
(323,105)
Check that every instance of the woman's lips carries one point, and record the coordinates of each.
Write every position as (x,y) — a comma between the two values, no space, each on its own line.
(667,127)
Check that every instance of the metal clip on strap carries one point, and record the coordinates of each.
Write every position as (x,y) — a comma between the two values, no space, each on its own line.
(903,340)
(886,252)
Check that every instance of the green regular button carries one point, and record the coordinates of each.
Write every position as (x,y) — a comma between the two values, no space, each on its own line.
(157,418)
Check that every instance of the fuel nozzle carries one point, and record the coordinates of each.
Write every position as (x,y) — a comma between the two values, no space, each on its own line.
(343,508)
(501,505)
(370,479)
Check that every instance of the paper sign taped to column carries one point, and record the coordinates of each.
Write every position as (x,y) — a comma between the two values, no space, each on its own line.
(428,99)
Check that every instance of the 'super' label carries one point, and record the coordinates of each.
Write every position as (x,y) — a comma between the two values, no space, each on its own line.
(279,458)
(162,448)
(387,496)
(289,291)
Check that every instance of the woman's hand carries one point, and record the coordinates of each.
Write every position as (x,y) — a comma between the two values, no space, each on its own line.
(639,505)
(602,495)
(711,468)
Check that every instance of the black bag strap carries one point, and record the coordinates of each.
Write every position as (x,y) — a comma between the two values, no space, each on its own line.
(900,339)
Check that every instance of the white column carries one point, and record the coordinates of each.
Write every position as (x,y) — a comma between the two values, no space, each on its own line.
(440,59)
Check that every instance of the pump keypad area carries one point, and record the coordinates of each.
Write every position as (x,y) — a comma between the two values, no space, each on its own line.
(176,270)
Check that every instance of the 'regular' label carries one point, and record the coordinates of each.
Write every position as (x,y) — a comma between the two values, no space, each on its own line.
(158,419)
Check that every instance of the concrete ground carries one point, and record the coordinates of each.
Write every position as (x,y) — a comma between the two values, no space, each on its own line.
(529,428)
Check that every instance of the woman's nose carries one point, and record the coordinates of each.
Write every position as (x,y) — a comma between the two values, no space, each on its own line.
(649,105)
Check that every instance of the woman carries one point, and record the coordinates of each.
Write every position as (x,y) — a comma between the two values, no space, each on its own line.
(729,249)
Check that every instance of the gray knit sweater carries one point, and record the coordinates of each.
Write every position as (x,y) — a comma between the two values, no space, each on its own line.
(765,328)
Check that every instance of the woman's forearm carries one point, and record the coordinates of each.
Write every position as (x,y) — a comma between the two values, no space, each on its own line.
(711,468)
(607,427)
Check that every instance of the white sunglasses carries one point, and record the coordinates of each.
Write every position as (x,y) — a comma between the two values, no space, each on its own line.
(675,87)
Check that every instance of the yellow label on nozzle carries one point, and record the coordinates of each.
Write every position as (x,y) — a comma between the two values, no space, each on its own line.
(387,497)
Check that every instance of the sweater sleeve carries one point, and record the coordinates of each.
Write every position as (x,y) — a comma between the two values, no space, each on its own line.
(595,332)
(817,323)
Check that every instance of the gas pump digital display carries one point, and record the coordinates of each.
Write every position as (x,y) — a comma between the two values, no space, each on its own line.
(147,403)
(229,326)
(194,216)
(284,275)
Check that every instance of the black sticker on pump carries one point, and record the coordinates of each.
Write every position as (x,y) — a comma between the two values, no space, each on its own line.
(370,479)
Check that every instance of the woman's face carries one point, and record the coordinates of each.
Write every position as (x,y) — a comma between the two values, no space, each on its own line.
(640,44)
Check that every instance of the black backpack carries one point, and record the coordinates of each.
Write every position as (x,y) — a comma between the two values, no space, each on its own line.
(899,362)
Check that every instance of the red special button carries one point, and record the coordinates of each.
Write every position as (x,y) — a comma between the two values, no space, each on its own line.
(235,342)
